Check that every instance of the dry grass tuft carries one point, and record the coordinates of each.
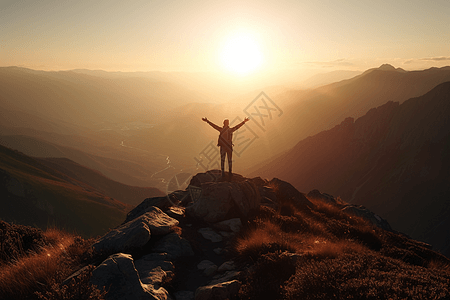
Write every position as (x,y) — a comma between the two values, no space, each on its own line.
(328,254)
(40,271)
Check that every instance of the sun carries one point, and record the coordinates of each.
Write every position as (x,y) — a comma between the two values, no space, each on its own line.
(241,54)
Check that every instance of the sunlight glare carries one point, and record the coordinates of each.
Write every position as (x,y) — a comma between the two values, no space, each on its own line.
(241,54)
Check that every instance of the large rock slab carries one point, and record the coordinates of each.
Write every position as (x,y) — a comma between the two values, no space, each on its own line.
(368,215)
(148,204)
(220,291)
(231,225)
(136,233)
(286,191)
(174,245)
(220,201)
(153,268)
(118,275)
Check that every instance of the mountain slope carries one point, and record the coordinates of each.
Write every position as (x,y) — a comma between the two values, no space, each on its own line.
(394,160)
(125,193)
(34,194)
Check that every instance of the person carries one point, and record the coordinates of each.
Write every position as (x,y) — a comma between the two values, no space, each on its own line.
(225,142)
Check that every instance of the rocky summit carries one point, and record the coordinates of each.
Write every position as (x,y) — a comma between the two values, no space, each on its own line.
(186,238)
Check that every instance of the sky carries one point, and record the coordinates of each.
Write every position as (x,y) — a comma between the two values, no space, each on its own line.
(192,36)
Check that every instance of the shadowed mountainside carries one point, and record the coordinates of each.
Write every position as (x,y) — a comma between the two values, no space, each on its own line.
(395,160)
(45,192)
(241,238)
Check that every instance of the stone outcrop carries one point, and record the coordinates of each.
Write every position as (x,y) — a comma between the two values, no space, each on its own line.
(136,233)
(121,279)
(211,211)
(220,201)
(285,191)
(219,291)
(315,194)
(366,214)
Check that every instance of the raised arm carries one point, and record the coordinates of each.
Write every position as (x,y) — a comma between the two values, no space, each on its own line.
(239,125)
(212,124)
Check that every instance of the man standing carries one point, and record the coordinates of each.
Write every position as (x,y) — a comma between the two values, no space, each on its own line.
(225,142)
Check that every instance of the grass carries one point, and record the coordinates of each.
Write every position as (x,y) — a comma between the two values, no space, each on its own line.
(38,274)
(325,253)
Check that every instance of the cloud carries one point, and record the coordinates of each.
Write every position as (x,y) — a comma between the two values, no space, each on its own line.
(439,58)
(330,64)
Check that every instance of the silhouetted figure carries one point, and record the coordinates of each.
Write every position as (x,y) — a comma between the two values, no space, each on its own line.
(225,141)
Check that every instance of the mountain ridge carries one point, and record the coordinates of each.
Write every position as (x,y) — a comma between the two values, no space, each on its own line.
(380,160)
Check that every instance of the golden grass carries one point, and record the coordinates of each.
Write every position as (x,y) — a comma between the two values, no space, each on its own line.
(35,271)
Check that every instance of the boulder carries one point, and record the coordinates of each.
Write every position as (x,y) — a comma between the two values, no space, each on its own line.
(174,245)
(220,201)
(208,267)
(210,234)
(231,225)
(285,191)
(118,275)
(227,266)
(146,205)
(131,235)
(153,268)
(136,233)
(366,214)
(315,194)
(220,291)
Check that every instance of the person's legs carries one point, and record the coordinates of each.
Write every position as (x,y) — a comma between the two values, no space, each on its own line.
(230,155)
(223,152)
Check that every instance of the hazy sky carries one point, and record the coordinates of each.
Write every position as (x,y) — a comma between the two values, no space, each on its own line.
(191,35)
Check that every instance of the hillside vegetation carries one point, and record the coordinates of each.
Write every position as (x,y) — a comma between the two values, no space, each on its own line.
(34,194)
(394,160)
(289,247)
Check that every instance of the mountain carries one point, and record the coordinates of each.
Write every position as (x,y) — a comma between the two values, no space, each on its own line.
(131,195)
(84,99)
(303,113)
(395,160)
(328,78)
(59,192)
(118,167)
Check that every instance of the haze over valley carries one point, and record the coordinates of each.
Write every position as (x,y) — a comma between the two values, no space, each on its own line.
(342,157)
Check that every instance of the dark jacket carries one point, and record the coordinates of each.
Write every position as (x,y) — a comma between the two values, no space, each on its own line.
(226,134)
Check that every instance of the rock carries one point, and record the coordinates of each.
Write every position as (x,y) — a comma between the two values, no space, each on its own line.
(131,235)
(315,194)
(159,222)
(137,232)
(268,192)
(231,225)
(286,191)
(146,205)
(212,176)
(366,214)
(119,277)
(258,181)
(184,295)
(227,266)
(204,264)
(208,267)
(210,271)
(226,234)
(210,234)
(220,201)
(228,276)
(174,245)
(218,251)
(153,268)
(175,212)
(220,291)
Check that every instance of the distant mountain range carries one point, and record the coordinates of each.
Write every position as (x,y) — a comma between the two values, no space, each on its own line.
(395,160)
(58,192)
